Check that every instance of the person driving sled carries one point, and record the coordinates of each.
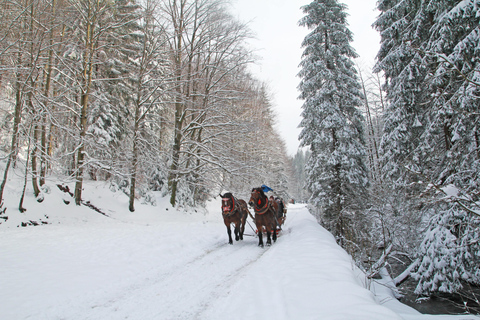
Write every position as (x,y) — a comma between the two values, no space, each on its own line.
(265,189)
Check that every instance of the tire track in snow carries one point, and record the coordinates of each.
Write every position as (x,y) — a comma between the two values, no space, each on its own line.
(146,282)
(184,291)
(225,288)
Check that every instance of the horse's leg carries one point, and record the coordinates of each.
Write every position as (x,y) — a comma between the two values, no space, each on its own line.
(242,226)
(269,240)
(260,234)
(274,236)
(268,229)
(237,230)
(229,231)
(260,238)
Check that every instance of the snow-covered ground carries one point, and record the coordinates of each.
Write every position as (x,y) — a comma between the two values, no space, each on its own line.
(160,263)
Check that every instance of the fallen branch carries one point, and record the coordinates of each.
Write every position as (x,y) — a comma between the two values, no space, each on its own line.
(66,189)
(375,268)
(406,273)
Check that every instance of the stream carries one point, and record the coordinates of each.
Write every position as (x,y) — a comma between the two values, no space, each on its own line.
(441,303)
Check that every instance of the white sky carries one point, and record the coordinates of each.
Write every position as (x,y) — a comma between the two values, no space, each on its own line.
(278,43)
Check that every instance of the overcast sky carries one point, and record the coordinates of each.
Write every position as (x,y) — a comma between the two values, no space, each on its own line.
(278,44)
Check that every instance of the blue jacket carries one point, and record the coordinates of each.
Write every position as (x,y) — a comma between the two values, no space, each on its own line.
(266,189)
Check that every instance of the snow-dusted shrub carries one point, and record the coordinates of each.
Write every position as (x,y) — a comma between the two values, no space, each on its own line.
(450,252)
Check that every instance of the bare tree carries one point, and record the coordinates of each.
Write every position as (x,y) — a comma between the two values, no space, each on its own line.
(373,94)
(148,99)
(206,48)
(23,49)
(150,85)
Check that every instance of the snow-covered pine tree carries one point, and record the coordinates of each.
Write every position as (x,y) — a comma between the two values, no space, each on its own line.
(452,137)
(430,58)
(332,125)
(403,26)
(450,251)
(298,191)
(118,66)
(448,255)
(144,56)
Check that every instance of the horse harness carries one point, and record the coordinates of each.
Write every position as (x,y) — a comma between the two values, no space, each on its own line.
(264,209)
(233,209)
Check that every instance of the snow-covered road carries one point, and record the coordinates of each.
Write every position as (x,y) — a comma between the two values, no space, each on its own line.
(174,265)
(184,290)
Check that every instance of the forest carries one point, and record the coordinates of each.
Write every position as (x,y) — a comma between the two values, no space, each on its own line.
(156,96)
(393,172)
(151,96)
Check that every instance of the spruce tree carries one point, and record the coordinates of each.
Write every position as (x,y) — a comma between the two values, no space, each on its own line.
(430,143)
(450,252)
(402,26)
(332,125)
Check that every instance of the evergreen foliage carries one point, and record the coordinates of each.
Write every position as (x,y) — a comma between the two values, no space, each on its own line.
(299,191)
(449,252)
(332,125)
(429,54)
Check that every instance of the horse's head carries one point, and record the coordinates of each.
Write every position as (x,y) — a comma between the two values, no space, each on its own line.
(256,197)
(228,202)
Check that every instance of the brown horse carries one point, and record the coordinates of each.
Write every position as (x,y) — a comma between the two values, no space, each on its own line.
(281,210)
(265,215)
(234,211)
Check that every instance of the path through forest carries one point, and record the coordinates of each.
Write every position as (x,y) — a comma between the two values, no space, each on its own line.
(166,264)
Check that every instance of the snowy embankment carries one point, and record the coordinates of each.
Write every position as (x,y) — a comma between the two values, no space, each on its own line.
(159,263)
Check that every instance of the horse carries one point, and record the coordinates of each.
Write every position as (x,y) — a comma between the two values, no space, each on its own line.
(281,210)
(234,211)
(265,215)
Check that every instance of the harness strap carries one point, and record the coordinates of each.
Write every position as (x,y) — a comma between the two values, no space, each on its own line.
(234,205)
(264,209)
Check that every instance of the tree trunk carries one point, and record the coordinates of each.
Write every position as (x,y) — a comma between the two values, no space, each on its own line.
(22,197)
(81,149)
(131,205)
(179,105)
(373,154)
(86,86)
(36,189)
(133,173)
(17,118)
(48,82)
(12,157)
(173,177)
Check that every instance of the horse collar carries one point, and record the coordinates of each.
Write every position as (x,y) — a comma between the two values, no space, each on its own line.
(262,210)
